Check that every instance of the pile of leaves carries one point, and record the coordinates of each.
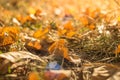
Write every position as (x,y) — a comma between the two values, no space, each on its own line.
(60,39)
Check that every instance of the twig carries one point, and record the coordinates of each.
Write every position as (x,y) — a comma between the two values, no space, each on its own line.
(62,62)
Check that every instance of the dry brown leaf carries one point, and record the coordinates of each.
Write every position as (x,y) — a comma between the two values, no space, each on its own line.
(8,59)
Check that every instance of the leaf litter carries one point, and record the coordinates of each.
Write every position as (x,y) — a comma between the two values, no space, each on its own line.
(46,40)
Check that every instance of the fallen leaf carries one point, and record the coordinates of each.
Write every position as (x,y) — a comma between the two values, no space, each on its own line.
(118,18)
(91,26)
(31,10)
(58,48)
(8,35)
(117,50)
(70,34)
(68,26)
(41,33)
(33,76)
(61,32)
(68,30)
(84,20)
(24,19)
(34,44)
(31,43)
(38,12)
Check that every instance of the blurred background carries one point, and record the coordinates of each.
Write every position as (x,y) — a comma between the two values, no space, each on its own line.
(51,8)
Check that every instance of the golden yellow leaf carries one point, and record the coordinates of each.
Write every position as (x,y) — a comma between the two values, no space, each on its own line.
(32,43)
(21,19)
(8,35)
(24,19)
(91,26)
(68,26)
(118,18)
(37,45)
(117,50)
(61,32)
(84,20)
(31,10)
(58,44)
(41,33)
(93,13)
(68,30)
(65,53)
(70,34)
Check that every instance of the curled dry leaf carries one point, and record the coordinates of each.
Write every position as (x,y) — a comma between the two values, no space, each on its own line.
(16,56)
(31,43)
(101,71)
(9,58)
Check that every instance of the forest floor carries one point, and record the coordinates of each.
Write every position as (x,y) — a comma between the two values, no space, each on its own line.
(59,40)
